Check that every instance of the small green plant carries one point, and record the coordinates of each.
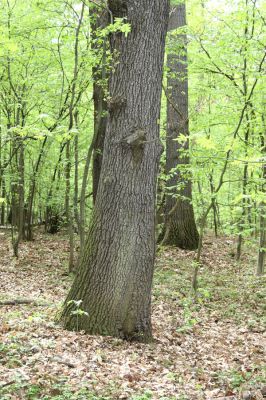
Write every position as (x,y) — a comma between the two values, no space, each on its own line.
(33,392)
(232,378)
(20,387)
(189,320)
(236,379)
(204,295)
(78,312)
(145,396)
(36,317)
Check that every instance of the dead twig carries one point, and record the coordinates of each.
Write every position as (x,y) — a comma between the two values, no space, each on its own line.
(23,301)
(2,385)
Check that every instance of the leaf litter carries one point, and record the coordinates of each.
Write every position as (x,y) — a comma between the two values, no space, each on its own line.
(210,349)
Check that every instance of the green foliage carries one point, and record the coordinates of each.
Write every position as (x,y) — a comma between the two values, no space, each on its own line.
(145,396)
(40,50)
(234,378)
(119,25)
(176,2)
(58,392)
(223,74)
(78,312)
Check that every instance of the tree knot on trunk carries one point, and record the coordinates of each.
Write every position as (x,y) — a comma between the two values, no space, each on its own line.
(118,7)
(136,141)
(136,138)
(116,103)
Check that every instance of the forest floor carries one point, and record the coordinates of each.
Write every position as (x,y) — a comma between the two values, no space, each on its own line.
(209,349)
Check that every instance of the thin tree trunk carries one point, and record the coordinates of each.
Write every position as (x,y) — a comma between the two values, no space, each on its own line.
(76,173)
(95,150)
(244,199)
(246,139)
(100,88)
(115,274)
(3,207)
(29,234)
(51,215)
(214,208)
(262,241)
(20,209)
(82,203)
(2,179)
(69,216)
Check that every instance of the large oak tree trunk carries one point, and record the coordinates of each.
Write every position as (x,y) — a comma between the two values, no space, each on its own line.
(115,274)
(180,227)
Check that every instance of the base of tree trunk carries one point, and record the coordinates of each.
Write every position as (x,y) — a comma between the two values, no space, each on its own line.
(180,229)
(88,326)
(181,242)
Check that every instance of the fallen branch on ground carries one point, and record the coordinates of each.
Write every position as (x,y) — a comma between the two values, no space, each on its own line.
(2,385)
(16,302)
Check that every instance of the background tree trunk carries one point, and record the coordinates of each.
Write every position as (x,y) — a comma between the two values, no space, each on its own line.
(180,228)
(115,274)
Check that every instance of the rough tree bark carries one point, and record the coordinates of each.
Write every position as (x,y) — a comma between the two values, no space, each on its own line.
(115,273)
(180,228)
